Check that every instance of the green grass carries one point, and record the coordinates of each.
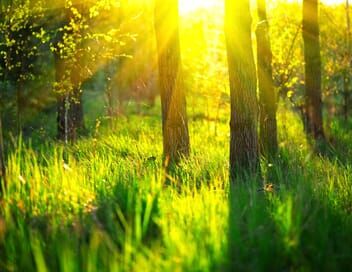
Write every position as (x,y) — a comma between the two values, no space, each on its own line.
(107,208)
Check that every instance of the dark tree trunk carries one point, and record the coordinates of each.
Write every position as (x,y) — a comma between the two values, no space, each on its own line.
(61,120)
(62,100)
(313,93)
(70,116)
(173,100)
(346,95)
(244,153)
(70,121)
(267,94)
(19,106)
(2,162)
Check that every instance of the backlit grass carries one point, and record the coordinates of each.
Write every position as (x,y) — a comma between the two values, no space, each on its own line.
(103,205)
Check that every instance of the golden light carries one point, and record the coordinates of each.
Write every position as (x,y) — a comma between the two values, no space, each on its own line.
(326,2)
(333,2)
(187,6)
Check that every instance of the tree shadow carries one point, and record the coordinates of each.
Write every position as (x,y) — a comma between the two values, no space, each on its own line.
(294,227)
(337,147)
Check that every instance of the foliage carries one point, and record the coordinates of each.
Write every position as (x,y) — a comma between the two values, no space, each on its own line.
(102,204)
(83,42)
(84,36)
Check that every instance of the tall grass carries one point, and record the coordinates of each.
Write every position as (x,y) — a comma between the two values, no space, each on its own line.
(102,205)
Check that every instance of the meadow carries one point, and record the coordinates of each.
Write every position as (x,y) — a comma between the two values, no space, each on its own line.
(106,207)
(106,202)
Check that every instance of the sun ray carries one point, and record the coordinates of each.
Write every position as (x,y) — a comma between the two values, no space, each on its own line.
(187,6)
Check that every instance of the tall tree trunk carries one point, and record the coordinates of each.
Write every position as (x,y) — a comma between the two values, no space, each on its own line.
(62,125)
(2,162)
(62,100)
(267,94)
(76,103)
(346,94)
(70,116)
(244,155)
(173,100)
(70,121)
(313,92)
(110,71)
(19,106)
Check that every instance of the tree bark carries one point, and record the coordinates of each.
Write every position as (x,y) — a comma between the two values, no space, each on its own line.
(173,99)
(346,94)
(313,92)
(244,153)
(70,121)
(267,94)
(19,106)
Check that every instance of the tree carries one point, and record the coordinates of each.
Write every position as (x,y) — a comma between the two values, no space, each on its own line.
(313,93)
(70,109)
(68,73)
(267,94)
(20,42)
(81,49)
(173,100)
(244,155)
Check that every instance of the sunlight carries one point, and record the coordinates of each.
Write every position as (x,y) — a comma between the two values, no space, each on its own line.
(187,6)
(326,2)
(187,135)
(333,2)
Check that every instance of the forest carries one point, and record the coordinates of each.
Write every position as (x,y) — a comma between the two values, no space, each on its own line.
(175,135)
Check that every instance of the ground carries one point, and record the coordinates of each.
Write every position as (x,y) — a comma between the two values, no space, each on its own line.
(103,204)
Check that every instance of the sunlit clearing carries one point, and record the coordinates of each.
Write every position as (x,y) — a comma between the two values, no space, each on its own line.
(191,5)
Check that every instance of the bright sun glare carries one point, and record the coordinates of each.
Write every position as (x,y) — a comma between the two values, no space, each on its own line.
(191,5)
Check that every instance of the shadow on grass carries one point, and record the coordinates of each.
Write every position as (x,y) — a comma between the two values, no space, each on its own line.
(295,227)
(338,146)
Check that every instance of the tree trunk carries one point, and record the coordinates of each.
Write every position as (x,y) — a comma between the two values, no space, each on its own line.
(70,116)
(244,155)
(70,121)
(267,94)
(19,106)
(346,94)
(2,162)
(313,92)
(62,100)
(173,100)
